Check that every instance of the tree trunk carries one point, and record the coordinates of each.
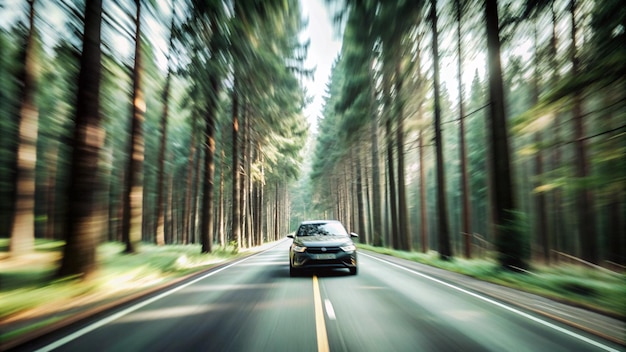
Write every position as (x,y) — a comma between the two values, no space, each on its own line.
(236,205)
(466,215)
(376,196)
(23,232)
(134,188)
(253,208)
(120,210)
(359,195)
(245,150)
(347,192)
(169,216)
(209,167)
(113,209)
(404,232)
(51,190)
(541,227)
(616,207)
(159,236)
(509,242)
(366,237)
(83,220)
(220,210)
(557,194)
(276,211)
(393,200)
(189,197)
(261,203)
(422,176)
(445,250)
(584,196)
(423,215)
(196,194)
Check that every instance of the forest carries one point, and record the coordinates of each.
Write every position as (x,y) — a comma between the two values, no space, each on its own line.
(121,124)
(469,128)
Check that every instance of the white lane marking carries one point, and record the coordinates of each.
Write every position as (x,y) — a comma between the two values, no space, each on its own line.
(511,309)
(111,318)
(330,311)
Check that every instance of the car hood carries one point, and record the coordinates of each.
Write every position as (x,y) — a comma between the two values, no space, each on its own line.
(322,241)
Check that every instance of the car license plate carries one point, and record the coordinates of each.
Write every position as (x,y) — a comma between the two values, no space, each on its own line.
(325,256)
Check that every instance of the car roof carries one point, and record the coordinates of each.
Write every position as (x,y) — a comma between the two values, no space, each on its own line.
(308,222)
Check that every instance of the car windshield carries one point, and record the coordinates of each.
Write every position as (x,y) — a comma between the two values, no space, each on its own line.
(322,229)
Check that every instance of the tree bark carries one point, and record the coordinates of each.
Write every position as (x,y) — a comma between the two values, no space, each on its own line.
(392,196)
(209,167)
(404,232)
(220,210)
(377,239)
(422,176)
(83,221)
(134,188)
(558,240)
(584,196)
(423,213)
(359,195)
(51,190)
(23,227)
(466,214)
(236,205)
(276,212)
(189,187)
(509,242)
(445,250)
(541,227)
(159,236)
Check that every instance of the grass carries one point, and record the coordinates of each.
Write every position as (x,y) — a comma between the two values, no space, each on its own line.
(29,288)
(593,289)
(28,328)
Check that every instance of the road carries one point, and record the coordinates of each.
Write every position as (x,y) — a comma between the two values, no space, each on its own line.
(253,305)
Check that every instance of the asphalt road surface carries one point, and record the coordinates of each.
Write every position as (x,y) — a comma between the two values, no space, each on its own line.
(253,305)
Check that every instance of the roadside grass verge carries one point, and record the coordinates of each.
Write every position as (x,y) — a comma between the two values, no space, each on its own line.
(28,286)
(596,290)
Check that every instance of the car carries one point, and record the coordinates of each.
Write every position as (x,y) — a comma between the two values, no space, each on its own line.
(322,244)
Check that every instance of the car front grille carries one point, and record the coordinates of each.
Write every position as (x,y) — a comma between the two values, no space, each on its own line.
(318,250)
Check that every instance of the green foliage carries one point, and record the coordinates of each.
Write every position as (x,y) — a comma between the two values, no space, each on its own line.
(234,247)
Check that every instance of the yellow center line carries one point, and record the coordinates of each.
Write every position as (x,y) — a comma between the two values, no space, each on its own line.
(320,324)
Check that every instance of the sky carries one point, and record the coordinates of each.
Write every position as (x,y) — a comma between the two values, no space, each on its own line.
(324,48)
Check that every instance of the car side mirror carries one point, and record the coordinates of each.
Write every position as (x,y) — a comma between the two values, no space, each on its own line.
(289,236)
(352,234)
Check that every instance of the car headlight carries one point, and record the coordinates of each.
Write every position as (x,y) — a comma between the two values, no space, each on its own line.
(348,248)
(298,249)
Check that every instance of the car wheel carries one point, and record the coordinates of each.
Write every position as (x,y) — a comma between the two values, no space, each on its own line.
(353,271)
(292,271)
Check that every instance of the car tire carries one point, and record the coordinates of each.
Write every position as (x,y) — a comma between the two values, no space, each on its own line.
(292,271)
(353,271)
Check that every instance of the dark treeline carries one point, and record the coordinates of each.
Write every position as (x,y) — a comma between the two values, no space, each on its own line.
(473,127)
(162,122)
